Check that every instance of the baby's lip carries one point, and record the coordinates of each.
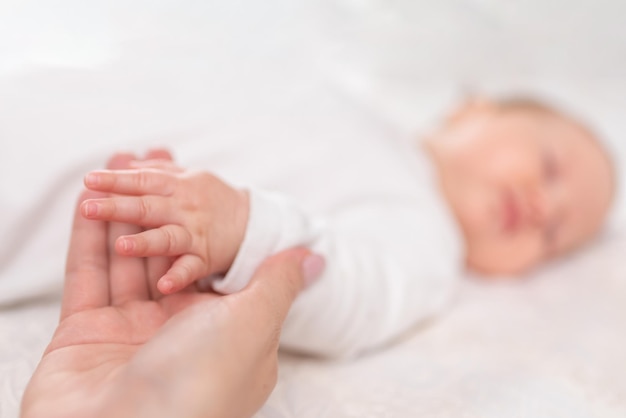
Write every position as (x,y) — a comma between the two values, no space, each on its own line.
(510,212)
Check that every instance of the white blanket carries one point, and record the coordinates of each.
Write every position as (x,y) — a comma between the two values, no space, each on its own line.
(80,79)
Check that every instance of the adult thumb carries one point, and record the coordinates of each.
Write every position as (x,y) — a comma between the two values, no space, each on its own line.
(280,278)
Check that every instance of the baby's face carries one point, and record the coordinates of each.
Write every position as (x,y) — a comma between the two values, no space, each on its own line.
(524,186)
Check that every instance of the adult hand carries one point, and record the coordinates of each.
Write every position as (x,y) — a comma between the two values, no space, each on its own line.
(121,349)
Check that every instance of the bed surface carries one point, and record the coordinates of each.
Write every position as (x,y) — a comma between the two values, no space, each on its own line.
(79,80)
(552,346)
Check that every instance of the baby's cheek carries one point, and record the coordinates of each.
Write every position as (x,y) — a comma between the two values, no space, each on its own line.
(477,211)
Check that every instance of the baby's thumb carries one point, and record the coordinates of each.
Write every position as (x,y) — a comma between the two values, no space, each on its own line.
(279,279)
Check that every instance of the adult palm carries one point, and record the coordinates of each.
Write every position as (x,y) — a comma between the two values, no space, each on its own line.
(109,311)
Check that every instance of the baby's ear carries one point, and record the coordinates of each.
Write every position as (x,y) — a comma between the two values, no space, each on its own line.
(471,105)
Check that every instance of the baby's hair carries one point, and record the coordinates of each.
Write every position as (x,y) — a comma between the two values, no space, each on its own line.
(542,108)
(524,103)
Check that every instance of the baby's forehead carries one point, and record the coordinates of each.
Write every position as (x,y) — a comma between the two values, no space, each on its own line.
(553,126)
(540,115)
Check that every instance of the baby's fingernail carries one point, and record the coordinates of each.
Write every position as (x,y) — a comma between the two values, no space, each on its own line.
(91,179)
(165,286)
(90,209)
(312,267)
(127,245)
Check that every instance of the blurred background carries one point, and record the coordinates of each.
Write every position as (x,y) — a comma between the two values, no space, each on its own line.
(72,73)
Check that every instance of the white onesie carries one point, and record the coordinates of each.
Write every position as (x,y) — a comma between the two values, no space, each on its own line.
(364,199)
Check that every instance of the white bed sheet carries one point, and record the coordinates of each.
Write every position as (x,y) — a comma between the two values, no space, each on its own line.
(78,80)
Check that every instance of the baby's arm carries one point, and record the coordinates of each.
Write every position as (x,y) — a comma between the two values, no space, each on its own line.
(193,216)
(389,264)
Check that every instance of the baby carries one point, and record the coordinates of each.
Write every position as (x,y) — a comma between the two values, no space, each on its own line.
(526,183)
(516,184)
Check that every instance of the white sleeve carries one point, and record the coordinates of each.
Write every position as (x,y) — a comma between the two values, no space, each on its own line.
(387,267)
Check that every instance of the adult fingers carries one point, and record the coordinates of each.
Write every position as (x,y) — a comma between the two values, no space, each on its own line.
(120,160)
(127,276)
(159,154)
(87,271)
(156,267)
(158,158)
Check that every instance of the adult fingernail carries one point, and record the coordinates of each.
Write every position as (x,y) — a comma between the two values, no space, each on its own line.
(312,267)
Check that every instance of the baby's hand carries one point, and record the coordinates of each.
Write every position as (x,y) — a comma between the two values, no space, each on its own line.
(194,216)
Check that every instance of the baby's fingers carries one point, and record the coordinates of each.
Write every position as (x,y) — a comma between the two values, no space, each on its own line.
(141,181)
(186,270)
(159,164)
(168,240)
(149,211)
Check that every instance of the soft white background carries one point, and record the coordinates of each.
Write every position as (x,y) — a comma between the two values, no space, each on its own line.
(80,79)
(74,72)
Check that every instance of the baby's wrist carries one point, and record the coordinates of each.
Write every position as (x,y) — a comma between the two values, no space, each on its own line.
(236,232)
